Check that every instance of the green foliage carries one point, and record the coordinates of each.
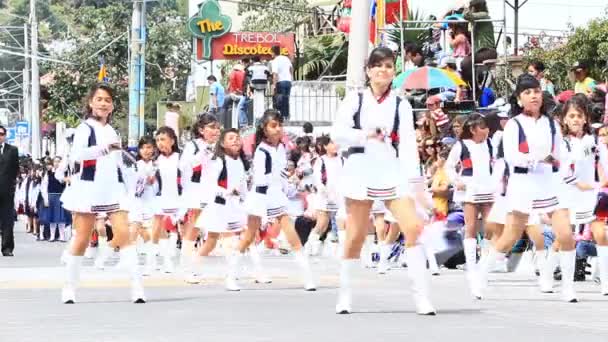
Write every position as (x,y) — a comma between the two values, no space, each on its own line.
(272,15)
(410,36)
(95,26)
(586,43)
(327,52)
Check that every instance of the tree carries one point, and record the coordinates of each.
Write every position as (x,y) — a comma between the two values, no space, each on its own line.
(272,15)
(587,43)
(412,32)
(324,55)
(167,56)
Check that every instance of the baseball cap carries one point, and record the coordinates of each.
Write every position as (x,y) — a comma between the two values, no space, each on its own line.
(579,65)
(446,61)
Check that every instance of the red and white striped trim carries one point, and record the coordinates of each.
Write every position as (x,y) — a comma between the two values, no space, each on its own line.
(388,193)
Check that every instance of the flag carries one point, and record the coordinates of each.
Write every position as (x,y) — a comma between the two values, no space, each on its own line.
(102,76)
(391,13)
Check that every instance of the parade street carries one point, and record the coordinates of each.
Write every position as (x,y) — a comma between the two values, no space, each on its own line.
(30,286)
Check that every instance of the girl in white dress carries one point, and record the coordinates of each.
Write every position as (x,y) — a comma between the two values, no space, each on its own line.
(474,156)
(168,182)
(582,177)
(532,151)
(226,178)
(267,198)
(142,211)
(98,187)
(383,164)
(194,165)
(327,170)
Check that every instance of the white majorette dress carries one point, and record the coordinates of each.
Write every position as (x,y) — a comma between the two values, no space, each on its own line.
(225,212)
(533,185)
(267,198)
(360,114)
(327,171)
(143,194)
(97,185)
(476,162)
(580,161)
(168,185)
(194,161)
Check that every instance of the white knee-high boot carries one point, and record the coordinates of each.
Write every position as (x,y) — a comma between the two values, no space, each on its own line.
(341,241)
(472,271)
(384,253)
(345,295)
(419,276)
(128,255)
(234,261)
(259,273)
(103,252)
(602,254)
(302,262)
(313,245)
(72,277)
(151,250)
(186,259)
(367,250)
(567,261)
(545,268)
(165,253)
(487,263)
(430,257)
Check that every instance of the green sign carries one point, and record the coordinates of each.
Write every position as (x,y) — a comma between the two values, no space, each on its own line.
(208,24)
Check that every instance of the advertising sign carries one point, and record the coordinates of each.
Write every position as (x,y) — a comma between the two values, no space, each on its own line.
(214,41)
(237,45)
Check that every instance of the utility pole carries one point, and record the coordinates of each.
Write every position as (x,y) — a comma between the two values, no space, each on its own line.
(137,78)
(358,42)
(35,98)
(27,105)
(516,6)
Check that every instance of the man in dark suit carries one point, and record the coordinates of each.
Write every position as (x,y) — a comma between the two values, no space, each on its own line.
(9,167)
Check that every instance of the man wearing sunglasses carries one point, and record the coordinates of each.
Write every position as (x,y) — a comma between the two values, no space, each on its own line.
(9,167)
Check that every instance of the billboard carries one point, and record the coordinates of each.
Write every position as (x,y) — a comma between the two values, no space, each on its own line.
(236,45)
(213,40)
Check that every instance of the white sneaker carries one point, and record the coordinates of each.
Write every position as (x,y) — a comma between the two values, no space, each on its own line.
(344,305)
(474,283)
(383,267)
(68,295)
(424,306)
(263,279)
(137,294)
(192,278)
(89,253)
(168,266)
(231,284)
(99,263)
(64,255)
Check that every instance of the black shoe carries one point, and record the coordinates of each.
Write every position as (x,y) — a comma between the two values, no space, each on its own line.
(7,254)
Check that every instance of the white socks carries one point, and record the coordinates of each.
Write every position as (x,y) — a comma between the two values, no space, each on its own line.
(72,277)
(302,261)
(128,255)
(344,305)
(602,254)
(470,253)
(567,261)
(418,274)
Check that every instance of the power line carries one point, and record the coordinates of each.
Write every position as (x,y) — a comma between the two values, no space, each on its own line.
(559,4)
(253,4)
